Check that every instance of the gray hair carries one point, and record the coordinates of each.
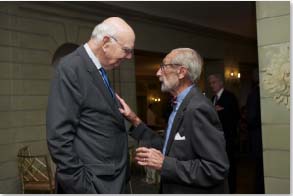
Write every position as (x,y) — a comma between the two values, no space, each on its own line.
(190,59)
(101,30)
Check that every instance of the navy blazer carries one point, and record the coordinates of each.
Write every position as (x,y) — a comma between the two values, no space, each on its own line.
(85,131)
(198,163)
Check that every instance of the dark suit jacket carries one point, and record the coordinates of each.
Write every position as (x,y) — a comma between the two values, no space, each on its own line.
(229,117)
(199,163)
(85,131)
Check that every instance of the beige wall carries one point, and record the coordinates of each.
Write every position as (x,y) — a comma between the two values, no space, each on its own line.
(27,45)
(273,30)
(31,33)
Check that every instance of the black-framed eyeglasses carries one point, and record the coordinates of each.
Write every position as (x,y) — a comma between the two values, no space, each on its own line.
(125,49)
(163,65)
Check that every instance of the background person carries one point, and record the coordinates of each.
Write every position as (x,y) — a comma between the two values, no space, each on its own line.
(227,108)
(253,115)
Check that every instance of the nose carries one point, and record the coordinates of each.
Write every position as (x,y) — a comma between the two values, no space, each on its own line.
(159,72)
(128,56)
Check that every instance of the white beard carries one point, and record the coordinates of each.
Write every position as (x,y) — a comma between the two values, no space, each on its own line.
(170,84)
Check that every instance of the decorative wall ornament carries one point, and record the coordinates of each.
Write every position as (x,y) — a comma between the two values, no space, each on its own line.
(276,75)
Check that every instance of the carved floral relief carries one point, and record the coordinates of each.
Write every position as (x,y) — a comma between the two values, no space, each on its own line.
(276,75)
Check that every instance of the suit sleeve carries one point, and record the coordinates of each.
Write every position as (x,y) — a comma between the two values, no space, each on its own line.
(231,108)
(235,110)
(62,118)
(148,136)
(210,164)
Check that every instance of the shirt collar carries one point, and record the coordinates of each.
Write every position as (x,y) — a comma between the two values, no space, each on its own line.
(182,95)
(220,93)
(92,56)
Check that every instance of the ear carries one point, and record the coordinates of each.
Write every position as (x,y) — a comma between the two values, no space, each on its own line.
(105,42)
(182,72)
(106,39)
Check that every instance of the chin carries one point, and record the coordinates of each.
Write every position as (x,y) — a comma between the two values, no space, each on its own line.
(117,64)
(113,66)
(164,89)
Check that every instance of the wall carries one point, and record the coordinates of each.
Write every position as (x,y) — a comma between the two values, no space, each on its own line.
(273,31)
(30,34)
(27,44)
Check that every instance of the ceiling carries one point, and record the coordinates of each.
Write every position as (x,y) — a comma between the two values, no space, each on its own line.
(235,17)
(230,18)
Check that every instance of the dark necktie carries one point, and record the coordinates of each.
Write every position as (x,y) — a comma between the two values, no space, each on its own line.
(216,100)
(106,81)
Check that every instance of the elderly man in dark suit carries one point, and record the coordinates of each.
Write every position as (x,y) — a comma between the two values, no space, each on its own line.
(192,157)
(226,105)
(85,131)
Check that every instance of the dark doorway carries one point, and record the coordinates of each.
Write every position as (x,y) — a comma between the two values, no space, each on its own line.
(63,50)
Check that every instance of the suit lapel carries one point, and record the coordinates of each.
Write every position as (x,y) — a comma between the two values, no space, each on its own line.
(99,83)
(179,118)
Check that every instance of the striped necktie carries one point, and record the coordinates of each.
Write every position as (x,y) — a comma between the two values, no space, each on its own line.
(106,81)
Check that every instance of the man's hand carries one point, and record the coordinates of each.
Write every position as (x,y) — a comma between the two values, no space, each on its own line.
(149,157)
(219,108)
(127,112)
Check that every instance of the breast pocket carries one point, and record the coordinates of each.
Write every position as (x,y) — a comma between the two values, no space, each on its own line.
(179,145)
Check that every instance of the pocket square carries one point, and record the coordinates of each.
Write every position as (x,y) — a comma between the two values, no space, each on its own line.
(178,137)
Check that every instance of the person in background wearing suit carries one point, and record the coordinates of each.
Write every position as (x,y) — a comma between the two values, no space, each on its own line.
(192,157)
(253,115)
(86,133)
(226,105)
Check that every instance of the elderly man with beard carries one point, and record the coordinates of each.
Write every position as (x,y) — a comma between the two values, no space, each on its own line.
(192,157)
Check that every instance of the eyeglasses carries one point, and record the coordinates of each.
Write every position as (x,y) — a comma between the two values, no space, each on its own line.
(125,49)
(163,65)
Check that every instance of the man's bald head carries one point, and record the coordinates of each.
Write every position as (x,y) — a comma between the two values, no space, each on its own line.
(112,42)
(119,24)
(113,26)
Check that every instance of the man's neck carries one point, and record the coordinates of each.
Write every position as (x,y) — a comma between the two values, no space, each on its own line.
(96,49)
(181,88)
